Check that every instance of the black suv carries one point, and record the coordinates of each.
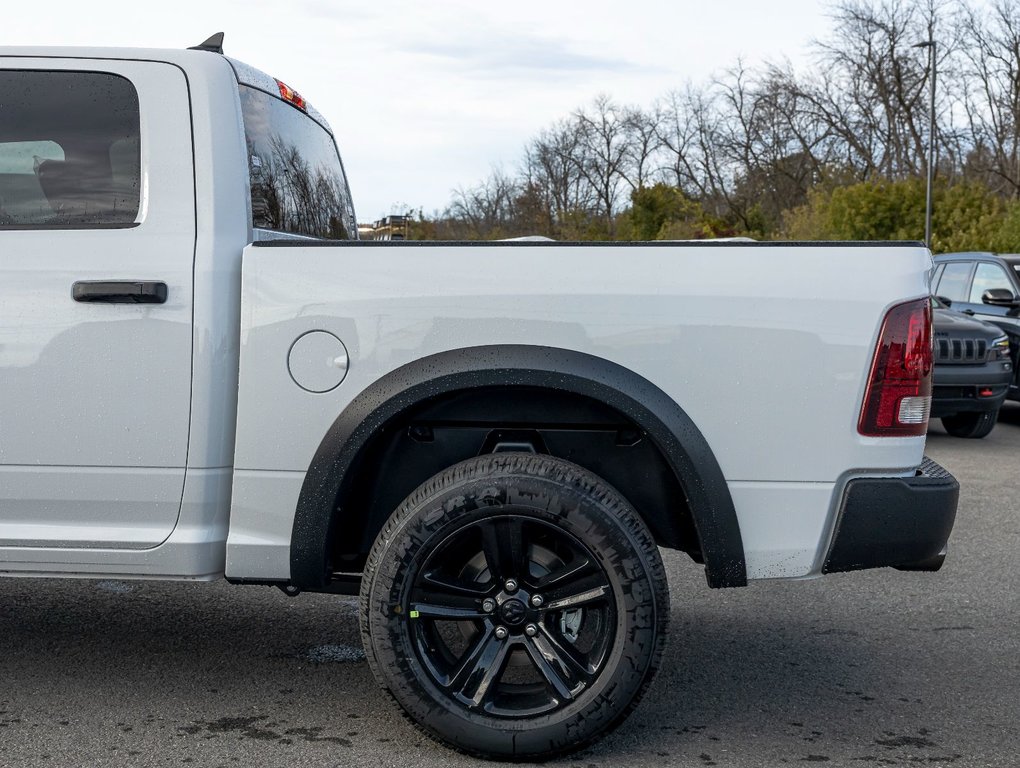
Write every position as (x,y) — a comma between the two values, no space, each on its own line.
(985,286)
(973,372)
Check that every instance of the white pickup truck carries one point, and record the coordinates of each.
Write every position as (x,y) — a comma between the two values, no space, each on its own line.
(203,374)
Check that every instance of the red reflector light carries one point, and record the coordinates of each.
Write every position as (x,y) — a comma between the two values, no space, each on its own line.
(898,396)
(291,96)
(986,392)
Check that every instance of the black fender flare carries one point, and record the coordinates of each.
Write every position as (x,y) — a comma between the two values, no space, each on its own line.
(662,419)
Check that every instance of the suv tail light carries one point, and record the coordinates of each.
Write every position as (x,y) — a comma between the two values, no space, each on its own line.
(898,397)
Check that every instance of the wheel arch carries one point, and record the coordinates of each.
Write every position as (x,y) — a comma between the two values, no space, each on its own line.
(673,432)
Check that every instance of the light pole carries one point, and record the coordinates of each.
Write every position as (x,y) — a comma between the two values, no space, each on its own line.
(930,45)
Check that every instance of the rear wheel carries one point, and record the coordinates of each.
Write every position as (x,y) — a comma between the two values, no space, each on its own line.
(973,425)
(515,606)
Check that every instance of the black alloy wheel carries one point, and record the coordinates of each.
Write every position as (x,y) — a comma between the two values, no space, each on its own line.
(515,607)
(509,616)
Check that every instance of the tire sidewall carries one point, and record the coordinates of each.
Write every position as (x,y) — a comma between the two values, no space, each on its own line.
(594,521)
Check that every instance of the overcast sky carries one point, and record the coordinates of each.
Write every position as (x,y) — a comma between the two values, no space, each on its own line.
(428,97)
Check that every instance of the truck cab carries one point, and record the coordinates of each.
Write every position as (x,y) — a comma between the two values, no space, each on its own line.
(130,182)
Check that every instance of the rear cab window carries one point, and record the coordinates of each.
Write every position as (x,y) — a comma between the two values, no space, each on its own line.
(298,185)
(69,150)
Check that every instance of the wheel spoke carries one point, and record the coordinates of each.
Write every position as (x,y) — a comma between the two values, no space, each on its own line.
(436,583)
(575,569)
(578,592)
(446,612)
(434,602)
(563,673)
(570,657)
(503,545)
(480,668)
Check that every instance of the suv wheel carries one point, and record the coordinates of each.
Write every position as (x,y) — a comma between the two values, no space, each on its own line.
(515,606)
(973,425)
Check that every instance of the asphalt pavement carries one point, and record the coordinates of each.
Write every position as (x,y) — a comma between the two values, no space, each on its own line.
(872,668)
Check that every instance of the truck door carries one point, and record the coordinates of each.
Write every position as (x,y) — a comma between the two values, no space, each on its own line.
(97,239)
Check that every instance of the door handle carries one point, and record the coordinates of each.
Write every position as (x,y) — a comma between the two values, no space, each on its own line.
(968,312)
(120,291)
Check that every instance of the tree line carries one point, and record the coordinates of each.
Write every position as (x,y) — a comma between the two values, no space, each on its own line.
(837,152)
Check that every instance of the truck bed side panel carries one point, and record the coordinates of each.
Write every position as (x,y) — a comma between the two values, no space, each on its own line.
(766,348)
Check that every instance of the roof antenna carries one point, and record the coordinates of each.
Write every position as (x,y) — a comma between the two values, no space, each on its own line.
(213,44)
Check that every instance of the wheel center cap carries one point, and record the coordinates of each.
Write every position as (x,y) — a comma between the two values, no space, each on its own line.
(513,611)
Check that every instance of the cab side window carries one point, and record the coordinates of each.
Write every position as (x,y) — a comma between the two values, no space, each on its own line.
(69,150)
(955,281)
(988,276)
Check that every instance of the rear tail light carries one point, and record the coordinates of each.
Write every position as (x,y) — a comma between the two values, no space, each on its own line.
(898,398)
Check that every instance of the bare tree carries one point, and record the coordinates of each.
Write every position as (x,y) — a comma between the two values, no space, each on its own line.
(874,85)
(780,152)
(753,142)
(693,145)
(676,135)
(552,171)
(991,52)
(604,152)
(642,139)
(488,208)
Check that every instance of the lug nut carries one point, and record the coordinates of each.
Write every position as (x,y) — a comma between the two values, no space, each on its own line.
(510,586)
(501,633)
(488,605)
(531,630)
(537,600)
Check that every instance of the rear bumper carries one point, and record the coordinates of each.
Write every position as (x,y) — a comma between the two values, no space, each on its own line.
(958,388)
(903,522)
(947,401)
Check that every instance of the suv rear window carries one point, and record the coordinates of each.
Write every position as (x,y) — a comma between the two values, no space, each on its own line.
(69,150)
(297,182)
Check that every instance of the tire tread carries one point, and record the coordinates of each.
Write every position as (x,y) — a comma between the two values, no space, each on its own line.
(551,468)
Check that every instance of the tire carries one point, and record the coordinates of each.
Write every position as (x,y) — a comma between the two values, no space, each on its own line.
(972,425)
(482,665)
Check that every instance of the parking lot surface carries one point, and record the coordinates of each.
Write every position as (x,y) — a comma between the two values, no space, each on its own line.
(873,668)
